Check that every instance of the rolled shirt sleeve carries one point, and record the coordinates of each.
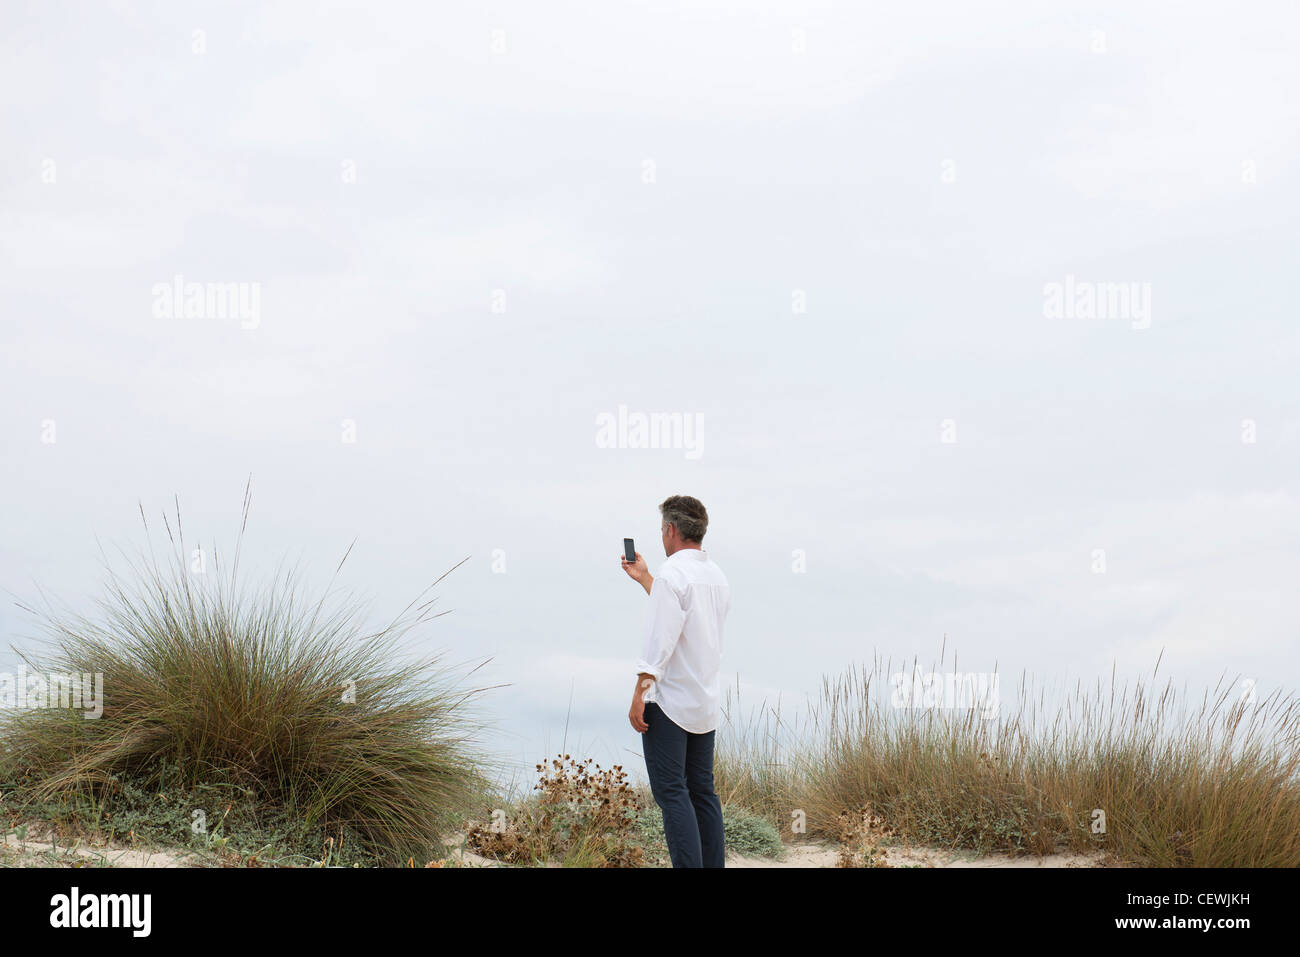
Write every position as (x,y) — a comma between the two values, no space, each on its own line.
(663,630)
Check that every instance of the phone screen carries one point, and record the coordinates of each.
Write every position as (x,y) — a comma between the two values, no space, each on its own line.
(629,550)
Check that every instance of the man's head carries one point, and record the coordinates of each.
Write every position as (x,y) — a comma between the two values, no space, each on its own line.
(684,523)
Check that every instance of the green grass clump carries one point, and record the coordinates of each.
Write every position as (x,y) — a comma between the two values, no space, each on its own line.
(244,831)
(749,834)
(291,716)
(745,833)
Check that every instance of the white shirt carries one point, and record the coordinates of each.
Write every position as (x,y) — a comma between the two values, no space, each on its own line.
(689,601)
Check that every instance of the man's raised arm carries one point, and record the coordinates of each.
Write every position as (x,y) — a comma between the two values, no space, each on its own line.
(638,571)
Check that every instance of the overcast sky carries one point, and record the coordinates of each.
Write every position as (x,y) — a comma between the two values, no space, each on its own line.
(827,236)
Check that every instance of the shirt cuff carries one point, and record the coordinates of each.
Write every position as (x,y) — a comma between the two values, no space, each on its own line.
(643,668)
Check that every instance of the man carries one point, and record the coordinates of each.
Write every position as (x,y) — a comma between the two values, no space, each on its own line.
(675,704)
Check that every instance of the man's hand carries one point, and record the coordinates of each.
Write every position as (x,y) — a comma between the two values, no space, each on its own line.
(638,571)
(636,714)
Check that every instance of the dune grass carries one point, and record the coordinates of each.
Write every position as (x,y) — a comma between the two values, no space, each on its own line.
(1208,783)
(218,698)
(256,721)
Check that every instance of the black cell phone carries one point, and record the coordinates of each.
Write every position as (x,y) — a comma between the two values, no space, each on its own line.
(629,550)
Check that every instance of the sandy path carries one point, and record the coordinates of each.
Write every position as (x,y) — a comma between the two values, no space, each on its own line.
(827,855)
(41,853)
(811,854)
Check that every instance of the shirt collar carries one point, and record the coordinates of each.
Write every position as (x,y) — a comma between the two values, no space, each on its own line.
(699,554)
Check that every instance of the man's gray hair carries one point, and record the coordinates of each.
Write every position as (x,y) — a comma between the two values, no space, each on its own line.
(687,514)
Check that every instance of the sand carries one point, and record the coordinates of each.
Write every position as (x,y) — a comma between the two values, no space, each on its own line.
(15,853)
(828,855)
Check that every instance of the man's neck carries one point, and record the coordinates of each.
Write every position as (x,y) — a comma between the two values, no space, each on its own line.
(684,546)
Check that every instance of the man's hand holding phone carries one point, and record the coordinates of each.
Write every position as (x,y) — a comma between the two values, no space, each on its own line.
(636,570)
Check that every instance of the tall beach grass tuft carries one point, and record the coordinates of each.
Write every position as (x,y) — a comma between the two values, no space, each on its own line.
(1142,771)
(294,703)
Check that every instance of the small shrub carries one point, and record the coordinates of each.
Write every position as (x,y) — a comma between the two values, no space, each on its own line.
(583,815)
(749,834)
(744,831)
(862,835)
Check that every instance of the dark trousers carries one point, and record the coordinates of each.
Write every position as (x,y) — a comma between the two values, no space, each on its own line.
(680,767)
